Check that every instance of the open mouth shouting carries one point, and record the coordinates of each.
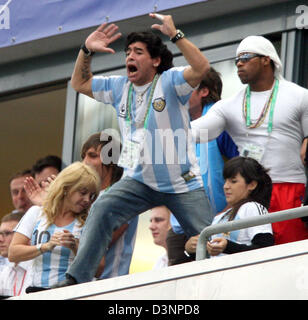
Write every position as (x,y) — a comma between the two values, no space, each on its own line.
(132,70)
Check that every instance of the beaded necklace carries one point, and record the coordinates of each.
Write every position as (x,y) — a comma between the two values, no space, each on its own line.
(129,103)
(269,105)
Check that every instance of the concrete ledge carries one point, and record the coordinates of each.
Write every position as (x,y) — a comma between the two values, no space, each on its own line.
(277,272)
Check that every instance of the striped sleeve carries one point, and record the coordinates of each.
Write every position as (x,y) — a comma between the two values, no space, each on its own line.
(251,209)
(106,89)
(182,88)
(27,224)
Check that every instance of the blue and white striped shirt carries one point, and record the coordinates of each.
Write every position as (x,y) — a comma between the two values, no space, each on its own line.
(50,267)
(169,150)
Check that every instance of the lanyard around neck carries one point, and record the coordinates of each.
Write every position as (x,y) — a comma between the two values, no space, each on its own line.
(270,104)
(15,293)
(129,103)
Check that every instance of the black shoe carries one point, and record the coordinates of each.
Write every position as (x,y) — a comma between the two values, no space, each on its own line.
(69,281)
(35,289)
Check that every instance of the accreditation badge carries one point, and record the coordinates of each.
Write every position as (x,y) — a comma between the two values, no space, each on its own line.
(130,154)
(252,151)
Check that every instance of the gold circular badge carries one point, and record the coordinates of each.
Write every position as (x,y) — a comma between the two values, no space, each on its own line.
(159,104)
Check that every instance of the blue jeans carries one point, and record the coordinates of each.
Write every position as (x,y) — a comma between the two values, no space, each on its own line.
(123,201)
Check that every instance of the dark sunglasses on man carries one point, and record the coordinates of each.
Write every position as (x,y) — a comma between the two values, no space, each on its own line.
(246,57)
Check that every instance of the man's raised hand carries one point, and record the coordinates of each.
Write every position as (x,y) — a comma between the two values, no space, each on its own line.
(102,37)
(167,27)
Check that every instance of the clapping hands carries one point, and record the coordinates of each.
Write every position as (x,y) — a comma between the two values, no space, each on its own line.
(35,192)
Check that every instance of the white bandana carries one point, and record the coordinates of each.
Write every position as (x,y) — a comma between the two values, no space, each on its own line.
(260,45)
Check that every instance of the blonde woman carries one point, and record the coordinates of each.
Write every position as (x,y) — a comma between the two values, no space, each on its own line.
(50,234)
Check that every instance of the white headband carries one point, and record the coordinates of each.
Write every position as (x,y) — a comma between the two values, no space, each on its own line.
(260,45)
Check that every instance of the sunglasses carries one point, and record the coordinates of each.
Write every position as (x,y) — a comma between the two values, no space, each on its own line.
(246,57)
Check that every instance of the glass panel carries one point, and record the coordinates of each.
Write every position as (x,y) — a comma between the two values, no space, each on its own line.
(32,125)
(92,117)
(230,80)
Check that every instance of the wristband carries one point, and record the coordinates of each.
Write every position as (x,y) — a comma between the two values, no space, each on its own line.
(87,52)
(179,35)
(39,247)
(187,254)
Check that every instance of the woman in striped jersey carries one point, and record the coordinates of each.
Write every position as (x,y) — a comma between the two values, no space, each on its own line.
(49,235)
(248,190)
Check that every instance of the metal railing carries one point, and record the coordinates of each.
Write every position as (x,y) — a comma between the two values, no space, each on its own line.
(201,252)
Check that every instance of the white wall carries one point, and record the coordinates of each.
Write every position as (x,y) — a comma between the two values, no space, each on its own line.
(278,272)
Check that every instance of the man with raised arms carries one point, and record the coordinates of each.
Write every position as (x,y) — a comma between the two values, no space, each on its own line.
(150,101)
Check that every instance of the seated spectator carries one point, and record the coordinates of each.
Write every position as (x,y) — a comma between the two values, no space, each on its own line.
(49,234)
(3,259)
(118,258)
(159,226)
(14,277)
(119,254)
(46,167)
(248,190)
(20,199)
(43,172)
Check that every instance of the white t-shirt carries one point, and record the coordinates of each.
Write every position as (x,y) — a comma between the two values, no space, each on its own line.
(50,267)
(243,236)
(282,146)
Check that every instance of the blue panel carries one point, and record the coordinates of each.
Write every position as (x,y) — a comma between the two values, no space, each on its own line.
(26,20)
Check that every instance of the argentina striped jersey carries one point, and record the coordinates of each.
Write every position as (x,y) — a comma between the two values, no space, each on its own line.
(243,236)
(167,160)
(49,268)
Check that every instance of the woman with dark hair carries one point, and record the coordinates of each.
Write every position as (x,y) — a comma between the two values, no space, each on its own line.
(248,189)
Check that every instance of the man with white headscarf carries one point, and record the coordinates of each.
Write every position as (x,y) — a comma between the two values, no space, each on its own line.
(268,120)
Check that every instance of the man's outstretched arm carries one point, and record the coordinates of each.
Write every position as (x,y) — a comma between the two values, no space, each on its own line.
(97,41)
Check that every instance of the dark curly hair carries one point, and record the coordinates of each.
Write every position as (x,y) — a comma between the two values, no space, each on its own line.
(155,46)
(250,170)
(48,161)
